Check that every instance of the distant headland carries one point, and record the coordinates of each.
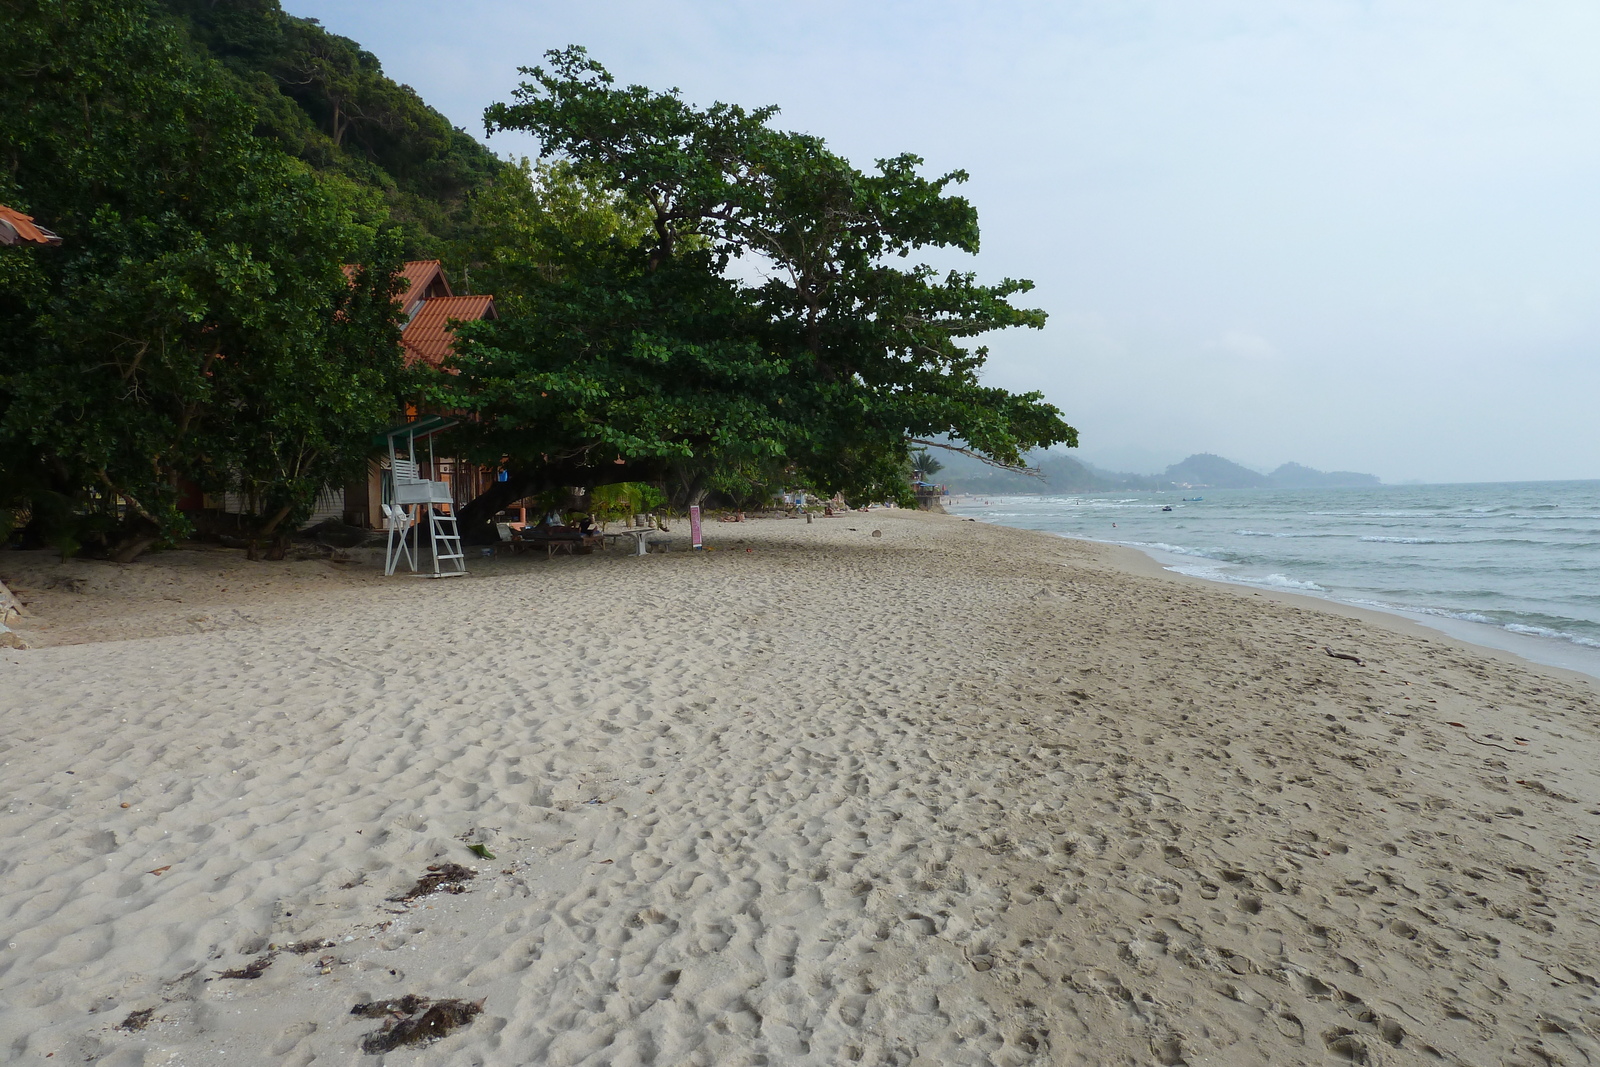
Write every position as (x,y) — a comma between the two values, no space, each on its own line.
(1059,473)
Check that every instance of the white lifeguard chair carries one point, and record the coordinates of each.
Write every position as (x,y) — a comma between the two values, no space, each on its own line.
(413,492)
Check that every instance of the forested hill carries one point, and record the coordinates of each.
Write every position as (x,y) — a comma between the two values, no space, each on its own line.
(1060,473)
(326,100)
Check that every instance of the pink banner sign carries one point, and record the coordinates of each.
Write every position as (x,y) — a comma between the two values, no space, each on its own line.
(694,525)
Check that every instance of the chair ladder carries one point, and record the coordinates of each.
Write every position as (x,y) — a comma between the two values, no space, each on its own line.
(446,544)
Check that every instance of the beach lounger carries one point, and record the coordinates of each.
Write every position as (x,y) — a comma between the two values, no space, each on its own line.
(568,539)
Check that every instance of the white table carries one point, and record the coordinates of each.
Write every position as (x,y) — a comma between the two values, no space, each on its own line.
(638,536)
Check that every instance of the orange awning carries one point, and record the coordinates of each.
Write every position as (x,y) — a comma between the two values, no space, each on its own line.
(15,227)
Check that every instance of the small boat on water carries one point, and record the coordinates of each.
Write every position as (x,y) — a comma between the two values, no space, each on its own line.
(1192,499)
(1167,508)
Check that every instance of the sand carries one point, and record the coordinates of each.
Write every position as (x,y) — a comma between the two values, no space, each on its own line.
(953,794)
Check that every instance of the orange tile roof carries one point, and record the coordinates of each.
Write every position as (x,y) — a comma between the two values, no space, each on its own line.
(427,337)
(15,226)
(421,276)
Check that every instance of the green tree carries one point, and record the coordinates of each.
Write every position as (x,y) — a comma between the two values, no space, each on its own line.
(196,323)
(533,226)
(658,352)
(326,100)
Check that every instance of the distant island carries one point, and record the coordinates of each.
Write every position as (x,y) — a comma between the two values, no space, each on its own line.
(1066,474)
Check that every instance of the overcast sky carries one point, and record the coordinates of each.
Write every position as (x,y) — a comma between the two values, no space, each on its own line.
(1361,235)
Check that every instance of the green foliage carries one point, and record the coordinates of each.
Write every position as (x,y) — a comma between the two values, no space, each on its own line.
(537,225)
(620,500)
(651,349)
(196,322)
(325,99)
(926,463)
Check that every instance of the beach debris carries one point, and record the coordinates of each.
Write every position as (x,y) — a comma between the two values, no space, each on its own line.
(877,533)
(305,948)
(254,969)
(1357,660)
(137,1020)
(160,870)
(414,1020)
(449,877)
(1479,741)
(481,851)
(409,1004)
(1539,787)
(126,804)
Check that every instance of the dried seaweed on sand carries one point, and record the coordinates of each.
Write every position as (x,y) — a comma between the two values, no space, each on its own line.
(409,1004)
(447,876)
(434,1021)
(137,1020)
(254,969)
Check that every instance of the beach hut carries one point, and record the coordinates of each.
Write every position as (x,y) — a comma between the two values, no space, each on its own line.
(431,308)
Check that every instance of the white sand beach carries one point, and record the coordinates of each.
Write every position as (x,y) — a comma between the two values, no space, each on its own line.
(954,794)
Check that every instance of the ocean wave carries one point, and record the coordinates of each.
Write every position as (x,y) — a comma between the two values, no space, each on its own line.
(1271,533)
(1545,631)
(1177,550)
(1283,581)
(1271,581)
(1406,540)
(1443,613)
(1482,619)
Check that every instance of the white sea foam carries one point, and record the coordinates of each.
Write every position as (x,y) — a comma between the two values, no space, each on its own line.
(1405,540)
(1473,616)
(1544,631)
(1176,550)
(1271,581)
(1278,533)
(1283,581)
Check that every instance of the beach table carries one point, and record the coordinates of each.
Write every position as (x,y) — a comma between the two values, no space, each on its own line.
(638,536)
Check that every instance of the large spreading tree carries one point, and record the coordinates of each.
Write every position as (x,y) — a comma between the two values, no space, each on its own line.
(760,310)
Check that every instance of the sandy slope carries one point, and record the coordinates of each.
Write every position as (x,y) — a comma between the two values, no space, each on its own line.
(952,795)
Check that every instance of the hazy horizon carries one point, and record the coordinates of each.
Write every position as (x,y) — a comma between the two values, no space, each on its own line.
(1356,236)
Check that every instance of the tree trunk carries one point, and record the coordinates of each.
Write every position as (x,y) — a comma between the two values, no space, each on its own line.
(135,539)
(279,547)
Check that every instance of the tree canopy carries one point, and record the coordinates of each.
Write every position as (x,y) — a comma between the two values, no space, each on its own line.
(763,314)
(196,325)
(692,298)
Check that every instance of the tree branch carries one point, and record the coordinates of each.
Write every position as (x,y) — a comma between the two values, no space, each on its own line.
(1032,472)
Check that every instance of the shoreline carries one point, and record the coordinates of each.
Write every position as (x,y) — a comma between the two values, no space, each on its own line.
(1553,653)
(877,788)
(1413,624)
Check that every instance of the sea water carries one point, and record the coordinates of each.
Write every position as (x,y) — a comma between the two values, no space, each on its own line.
(1513,566)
